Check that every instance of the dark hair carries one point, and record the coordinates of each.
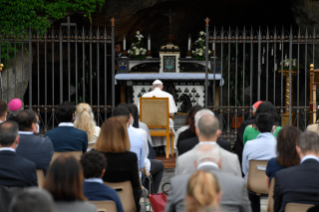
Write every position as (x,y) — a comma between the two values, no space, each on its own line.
(118,43)
(267,107)
(65,112)
(32,200)
(264,122)
(93,164)
(121,110)
(133,107)
(191,112)
(191,119)
(286,146)
(25,118)
(64,179)
(8,133)
(3,108)
(308,141)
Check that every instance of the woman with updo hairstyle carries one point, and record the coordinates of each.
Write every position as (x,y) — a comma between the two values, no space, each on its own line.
(203,192)
(84,120)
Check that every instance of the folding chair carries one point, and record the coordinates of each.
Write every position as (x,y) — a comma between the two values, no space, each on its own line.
(105,206)
(296,207)
(40,175)
(256,177)
(76,154)
(270,205)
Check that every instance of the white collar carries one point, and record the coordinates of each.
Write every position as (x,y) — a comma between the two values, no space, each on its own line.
(94,180)
(309,157)
(207,163)
(66,124)
(1,121)
(207,142)
(26,133)
(7,149)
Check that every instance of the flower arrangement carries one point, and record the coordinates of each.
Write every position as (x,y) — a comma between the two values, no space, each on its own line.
(199,46)
(136,50)
(285,63)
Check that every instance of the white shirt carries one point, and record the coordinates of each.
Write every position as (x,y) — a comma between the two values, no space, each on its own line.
(7,149)
(66,124)
(157,92)
(207,163)
(96,134)
(94,180)
(309,157)
(25,133)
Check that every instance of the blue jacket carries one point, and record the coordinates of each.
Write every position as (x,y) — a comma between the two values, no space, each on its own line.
(95,191)
(67,139)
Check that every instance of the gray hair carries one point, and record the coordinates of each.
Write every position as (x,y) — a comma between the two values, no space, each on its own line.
(201,113)
(207,152)
(207,126)
(32,200)
(9,131)
(308,141)
(15,113)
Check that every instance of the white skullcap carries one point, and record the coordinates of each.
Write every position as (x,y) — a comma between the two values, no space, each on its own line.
(157,82)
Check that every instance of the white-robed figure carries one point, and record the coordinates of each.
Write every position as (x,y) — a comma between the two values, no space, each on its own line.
(157,91)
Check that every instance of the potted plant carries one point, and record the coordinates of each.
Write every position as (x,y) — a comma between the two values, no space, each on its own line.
(137,50)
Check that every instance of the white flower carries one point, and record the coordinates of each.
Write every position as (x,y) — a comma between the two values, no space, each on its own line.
(204,47)
(139,38)
(137,32)
(199,39)
(129,51)
(209,52)
(193,51)
(143,53)
(137,53)
(200,54)
(201,33)
(134,47)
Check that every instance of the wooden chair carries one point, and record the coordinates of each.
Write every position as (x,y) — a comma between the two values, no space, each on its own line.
(296,207)
(76,154)
(154,112)
(91,146)
(270,205)
(125,192)
(41,179)
(105,206)
(256,177)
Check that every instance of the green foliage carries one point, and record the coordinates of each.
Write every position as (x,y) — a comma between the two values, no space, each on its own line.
(21,14)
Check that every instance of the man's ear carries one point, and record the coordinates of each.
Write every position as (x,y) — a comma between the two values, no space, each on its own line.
(220,163)
(103,172)
(17,140)
(219,196)
(218,133)
(196,130)
(73,116)
(298,150)
(195,164)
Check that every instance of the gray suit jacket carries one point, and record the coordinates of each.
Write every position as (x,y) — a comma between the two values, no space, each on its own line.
(234,192)
(230,163)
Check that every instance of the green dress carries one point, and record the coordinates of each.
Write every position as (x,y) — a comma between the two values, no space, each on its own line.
(251,133)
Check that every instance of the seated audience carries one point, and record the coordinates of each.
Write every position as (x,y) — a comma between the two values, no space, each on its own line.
(251,132)
(299,184)
(122,166)
(207,130)
(3,111)
(261,148)
(32,146)
(84,120)
(188,144)
(207,157)
(94,189)
(15,171)
(14,106)
(32,200)
(286,151)
(136,141)
(239,144)
(64,182)
(66,137)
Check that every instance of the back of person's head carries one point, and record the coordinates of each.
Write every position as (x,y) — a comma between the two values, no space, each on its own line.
(256,105)
(135,115)
(267,107)
(9,132)
(203,192)
(265,122)
(32,200)
(207,152)
(191,111)
(287,139)
(201,113)
(113,137)
(308,142)
(84,119)
(64,179)
(15,106)
(3,109)
(121,110)
(207,126)
(66,111)
(191,119)
(94,164)
(25,119)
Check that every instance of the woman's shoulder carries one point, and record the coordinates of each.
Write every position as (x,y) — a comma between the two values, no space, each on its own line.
(76,206)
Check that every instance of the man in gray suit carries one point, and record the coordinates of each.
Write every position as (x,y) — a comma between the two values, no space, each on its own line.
(207,130)
(208,158)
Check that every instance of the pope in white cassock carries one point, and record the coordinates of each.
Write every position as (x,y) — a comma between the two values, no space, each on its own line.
(158,92)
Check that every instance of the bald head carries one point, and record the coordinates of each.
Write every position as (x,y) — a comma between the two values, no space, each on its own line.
(208,128)
(201,113)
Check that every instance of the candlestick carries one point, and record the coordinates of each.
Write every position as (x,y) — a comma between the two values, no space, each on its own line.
(263,49)
(124,43)
(213,46)
(189,42)
(262,59)
(149,43)
(272,50)
(280,46)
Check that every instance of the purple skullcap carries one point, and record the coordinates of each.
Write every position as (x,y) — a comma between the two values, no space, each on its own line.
(15,104)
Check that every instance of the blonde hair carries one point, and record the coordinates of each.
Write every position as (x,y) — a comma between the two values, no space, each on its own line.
(84,119)
(113,137)
(202,192)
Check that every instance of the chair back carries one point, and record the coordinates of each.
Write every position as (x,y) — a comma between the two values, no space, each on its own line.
(296,207)
(125,192)
(76,154)
(6,195)
(41,179)
(91,146)
(154,112)
(256,176)
(105,206)
(270,205)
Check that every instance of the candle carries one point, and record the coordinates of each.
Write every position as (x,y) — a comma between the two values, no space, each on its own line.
(262,59)
(149,43)
(189,42)
(213,46)
(124,43)
(272,50)
(286,57)
(280,46)
(263,49)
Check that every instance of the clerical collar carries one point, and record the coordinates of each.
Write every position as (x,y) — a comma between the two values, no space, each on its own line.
(66,124)
(207,163)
